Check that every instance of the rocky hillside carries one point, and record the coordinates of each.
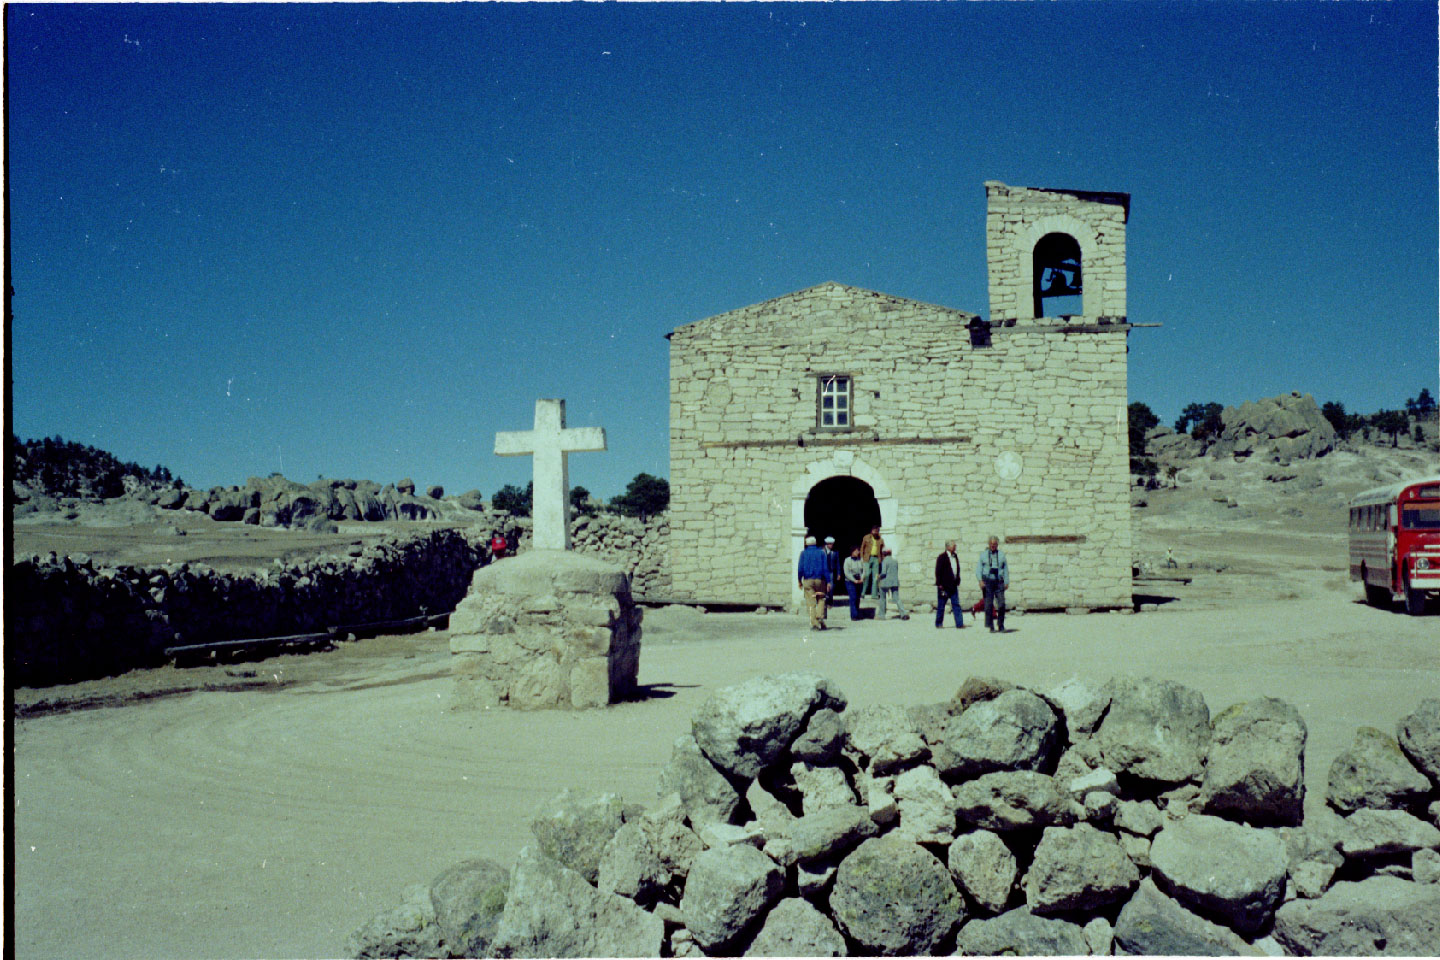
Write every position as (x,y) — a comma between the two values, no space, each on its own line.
(55,467)
(1282,431)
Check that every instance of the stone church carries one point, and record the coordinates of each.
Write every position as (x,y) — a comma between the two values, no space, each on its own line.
(831,409)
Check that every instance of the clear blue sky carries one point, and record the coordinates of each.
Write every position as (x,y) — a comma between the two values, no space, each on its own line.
(359,240)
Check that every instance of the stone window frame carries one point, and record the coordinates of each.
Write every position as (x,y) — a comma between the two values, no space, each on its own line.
(821,381)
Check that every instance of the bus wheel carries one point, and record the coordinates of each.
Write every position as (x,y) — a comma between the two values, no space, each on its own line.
(1376,596)
(1414,601)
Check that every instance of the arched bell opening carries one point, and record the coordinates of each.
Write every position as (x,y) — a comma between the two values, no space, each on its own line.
(1056,281)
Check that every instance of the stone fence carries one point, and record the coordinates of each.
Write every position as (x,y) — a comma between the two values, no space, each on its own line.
(637,547)
(69,620)
(1078,820)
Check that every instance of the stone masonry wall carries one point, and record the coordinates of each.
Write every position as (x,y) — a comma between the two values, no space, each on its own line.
(931,414)
(70,620)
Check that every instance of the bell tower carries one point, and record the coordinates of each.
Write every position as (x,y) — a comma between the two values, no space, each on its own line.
(1054,253)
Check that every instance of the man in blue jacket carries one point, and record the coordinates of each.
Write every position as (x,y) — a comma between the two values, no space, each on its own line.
(993,572)
(813,571)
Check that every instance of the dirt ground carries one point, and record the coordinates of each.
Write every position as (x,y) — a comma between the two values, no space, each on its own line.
(269,815)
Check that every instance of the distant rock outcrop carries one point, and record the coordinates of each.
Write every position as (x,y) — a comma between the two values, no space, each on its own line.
(1279,428)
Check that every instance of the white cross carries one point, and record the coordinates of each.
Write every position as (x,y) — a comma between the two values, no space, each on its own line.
(550,444)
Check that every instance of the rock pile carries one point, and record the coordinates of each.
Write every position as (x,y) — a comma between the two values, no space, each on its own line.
(277,502)
(1006,821)
(546,629)
(68,619)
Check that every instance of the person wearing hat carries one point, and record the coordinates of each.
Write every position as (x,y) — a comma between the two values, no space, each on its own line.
(833,558)
(813,570)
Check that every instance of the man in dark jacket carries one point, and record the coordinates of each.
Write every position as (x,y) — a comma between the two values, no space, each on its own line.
(947,585)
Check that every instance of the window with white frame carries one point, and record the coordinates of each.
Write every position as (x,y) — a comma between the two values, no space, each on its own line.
(836,393)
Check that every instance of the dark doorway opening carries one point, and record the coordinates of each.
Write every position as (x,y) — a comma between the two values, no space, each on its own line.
(844,508)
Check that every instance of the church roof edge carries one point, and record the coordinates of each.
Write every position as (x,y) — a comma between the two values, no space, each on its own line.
(817,288)
(1095,196)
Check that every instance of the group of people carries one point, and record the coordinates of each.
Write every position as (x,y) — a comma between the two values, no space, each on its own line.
(871,570)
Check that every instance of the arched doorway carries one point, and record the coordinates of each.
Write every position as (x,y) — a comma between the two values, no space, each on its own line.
(842,507)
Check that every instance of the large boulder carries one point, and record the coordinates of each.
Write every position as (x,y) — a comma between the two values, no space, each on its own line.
(1152,924)
(822,738)
(1081,703)
(746,727)
(1078,869)
(407,930)
(1286,428)
(631,866)
(894,898)
(552,911)
(821,786)
(228,505)
(828,833)
(794,928)
(1255,771)
(1378,917)
(1374,772)
(1015,800)
(1155,730)
(1164,444)
(984,868)
(1386,833)
(884,737)
(1419,736)
(729,890)
(1233,872)
(574,831)
(469,899)
(708,797)
(1014,731)
(770,811)
(926,805)
(671,839)
(1020,933)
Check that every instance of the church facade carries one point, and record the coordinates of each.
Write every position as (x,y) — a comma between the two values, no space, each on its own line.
(832,409)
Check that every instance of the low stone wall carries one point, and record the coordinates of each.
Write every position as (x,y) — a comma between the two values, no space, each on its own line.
(68,621)
(637,547)
(1080,820)
(546,629)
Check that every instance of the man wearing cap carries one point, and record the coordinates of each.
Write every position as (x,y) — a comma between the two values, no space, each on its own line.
(812,571)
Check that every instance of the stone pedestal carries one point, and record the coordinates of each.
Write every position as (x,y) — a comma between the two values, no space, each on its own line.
(547,629)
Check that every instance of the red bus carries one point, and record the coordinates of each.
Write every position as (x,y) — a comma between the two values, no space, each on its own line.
(1395,543)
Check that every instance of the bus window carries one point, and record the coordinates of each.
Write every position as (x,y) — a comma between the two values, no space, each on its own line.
(1421,516)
